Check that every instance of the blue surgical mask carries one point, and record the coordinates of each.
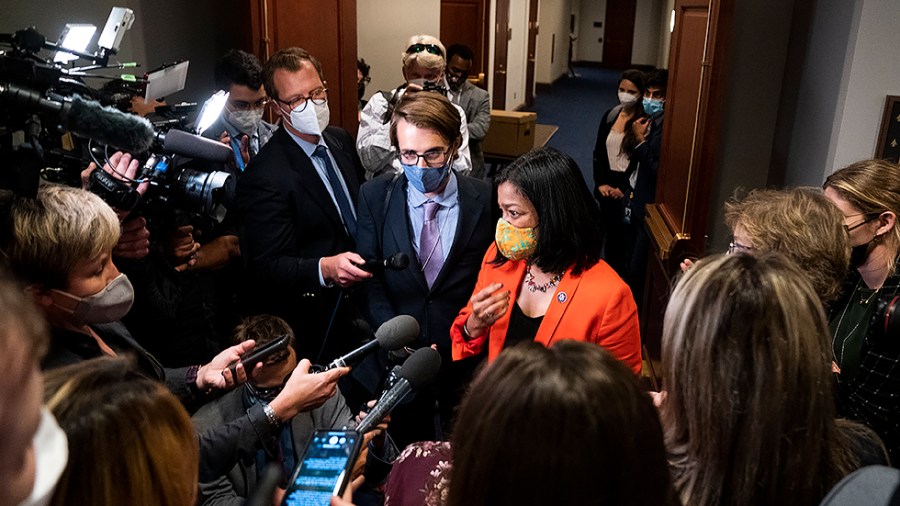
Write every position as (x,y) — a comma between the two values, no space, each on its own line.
(652,105)
(427,179)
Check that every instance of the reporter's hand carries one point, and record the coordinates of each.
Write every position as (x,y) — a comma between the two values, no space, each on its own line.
(215,374)
(342,269)
(686,264)
(122,167)
(347,498)
(488,305)
(213,255)
(378,434)
(134,242)
(180,246)
(245,145)
(305,391)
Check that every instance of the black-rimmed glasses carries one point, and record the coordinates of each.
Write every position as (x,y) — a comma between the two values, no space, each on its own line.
(867,217)
(429,48)
(433,159)
(317,97)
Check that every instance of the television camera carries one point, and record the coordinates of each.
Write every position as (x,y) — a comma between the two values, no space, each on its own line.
(52,125)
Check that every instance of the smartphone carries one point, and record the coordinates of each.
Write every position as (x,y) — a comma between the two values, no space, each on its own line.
(260,353)
(324,469)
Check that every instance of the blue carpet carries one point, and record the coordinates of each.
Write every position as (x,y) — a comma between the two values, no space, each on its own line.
(575,105)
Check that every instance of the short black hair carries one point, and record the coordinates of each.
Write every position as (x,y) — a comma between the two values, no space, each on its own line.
(238,67)
(569,233)
(464,52)
(657,79)
(363,67)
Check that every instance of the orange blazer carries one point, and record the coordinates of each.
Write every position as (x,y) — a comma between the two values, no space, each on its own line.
(596,306)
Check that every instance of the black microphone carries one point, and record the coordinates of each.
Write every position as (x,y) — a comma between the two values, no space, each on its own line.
(182,143)
(392,335)
(419,369)
(87,118)
(395,262)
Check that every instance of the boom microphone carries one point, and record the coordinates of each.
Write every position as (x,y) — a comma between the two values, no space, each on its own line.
(395,262)
(419,369)
(87,118)
(392,335)
(187,144)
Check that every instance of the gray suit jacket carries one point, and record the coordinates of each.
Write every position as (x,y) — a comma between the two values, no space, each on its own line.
(240,481)
(477,105)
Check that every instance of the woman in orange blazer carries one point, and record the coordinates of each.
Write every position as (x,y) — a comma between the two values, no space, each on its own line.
(543,279)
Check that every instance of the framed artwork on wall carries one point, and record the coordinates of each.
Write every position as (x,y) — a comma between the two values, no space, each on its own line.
(889,136)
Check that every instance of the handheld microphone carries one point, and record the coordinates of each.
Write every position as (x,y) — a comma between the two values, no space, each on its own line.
(419,369)
(395,262)
(187,144)
(392,335)
(87,118)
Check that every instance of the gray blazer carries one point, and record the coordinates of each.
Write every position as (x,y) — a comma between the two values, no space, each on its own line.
(477,104)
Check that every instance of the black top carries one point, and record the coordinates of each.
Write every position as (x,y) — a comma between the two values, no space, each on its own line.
(521,327)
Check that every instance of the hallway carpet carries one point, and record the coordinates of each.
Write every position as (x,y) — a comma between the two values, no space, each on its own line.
(575,106)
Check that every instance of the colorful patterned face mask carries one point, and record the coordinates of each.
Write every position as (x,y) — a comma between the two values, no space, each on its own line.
(515,243)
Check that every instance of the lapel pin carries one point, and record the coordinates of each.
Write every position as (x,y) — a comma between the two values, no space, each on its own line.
(561,297)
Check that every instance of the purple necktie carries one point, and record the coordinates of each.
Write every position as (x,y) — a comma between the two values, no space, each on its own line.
(431,254)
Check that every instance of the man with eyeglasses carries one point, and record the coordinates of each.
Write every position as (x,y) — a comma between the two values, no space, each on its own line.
(241,125)
(424,63)
(297,205)
(442,221)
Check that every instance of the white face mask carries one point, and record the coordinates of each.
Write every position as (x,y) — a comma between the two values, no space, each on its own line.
(107,305)
(51,452)
(245,121)
(312,120)
(626,98)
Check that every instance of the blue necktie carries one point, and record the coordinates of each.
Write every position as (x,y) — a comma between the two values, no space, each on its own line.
(343,200)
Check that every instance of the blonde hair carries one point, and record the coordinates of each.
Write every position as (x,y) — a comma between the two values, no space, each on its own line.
(873,187)
(430,111)
(58,229)
(749,417)
(130,440)
(801,224)
(424,59)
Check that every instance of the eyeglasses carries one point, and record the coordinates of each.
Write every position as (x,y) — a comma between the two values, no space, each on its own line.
(433,159)
(318,97)
(429,48)
(867,217)
(242,105)
(736,247)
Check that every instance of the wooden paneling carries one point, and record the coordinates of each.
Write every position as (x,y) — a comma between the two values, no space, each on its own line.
(532,50)
(325,28)
(679,220)
(501,50)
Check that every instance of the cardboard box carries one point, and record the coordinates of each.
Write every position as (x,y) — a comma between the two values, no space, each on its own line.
(511,133)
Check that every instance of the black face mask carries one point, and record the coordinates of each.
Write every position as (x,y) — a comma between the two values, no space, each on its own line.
(858,254)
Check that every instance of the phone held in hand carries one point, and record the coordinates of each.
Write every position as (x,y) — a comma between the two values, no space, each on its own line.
(260,353)
(325,468)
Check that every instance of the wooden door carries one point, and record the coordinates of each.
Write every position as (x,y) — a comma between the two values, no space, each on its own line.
(532,49)
(501,49)
(463,22)
(618,37)
(678,221)
(325,28)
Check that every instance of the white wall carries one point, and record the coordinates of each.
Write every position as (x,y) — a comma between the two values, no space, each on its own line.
(645,44)
(517,54)
(551,57)
(589,49)
(383,28)
(873,74)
